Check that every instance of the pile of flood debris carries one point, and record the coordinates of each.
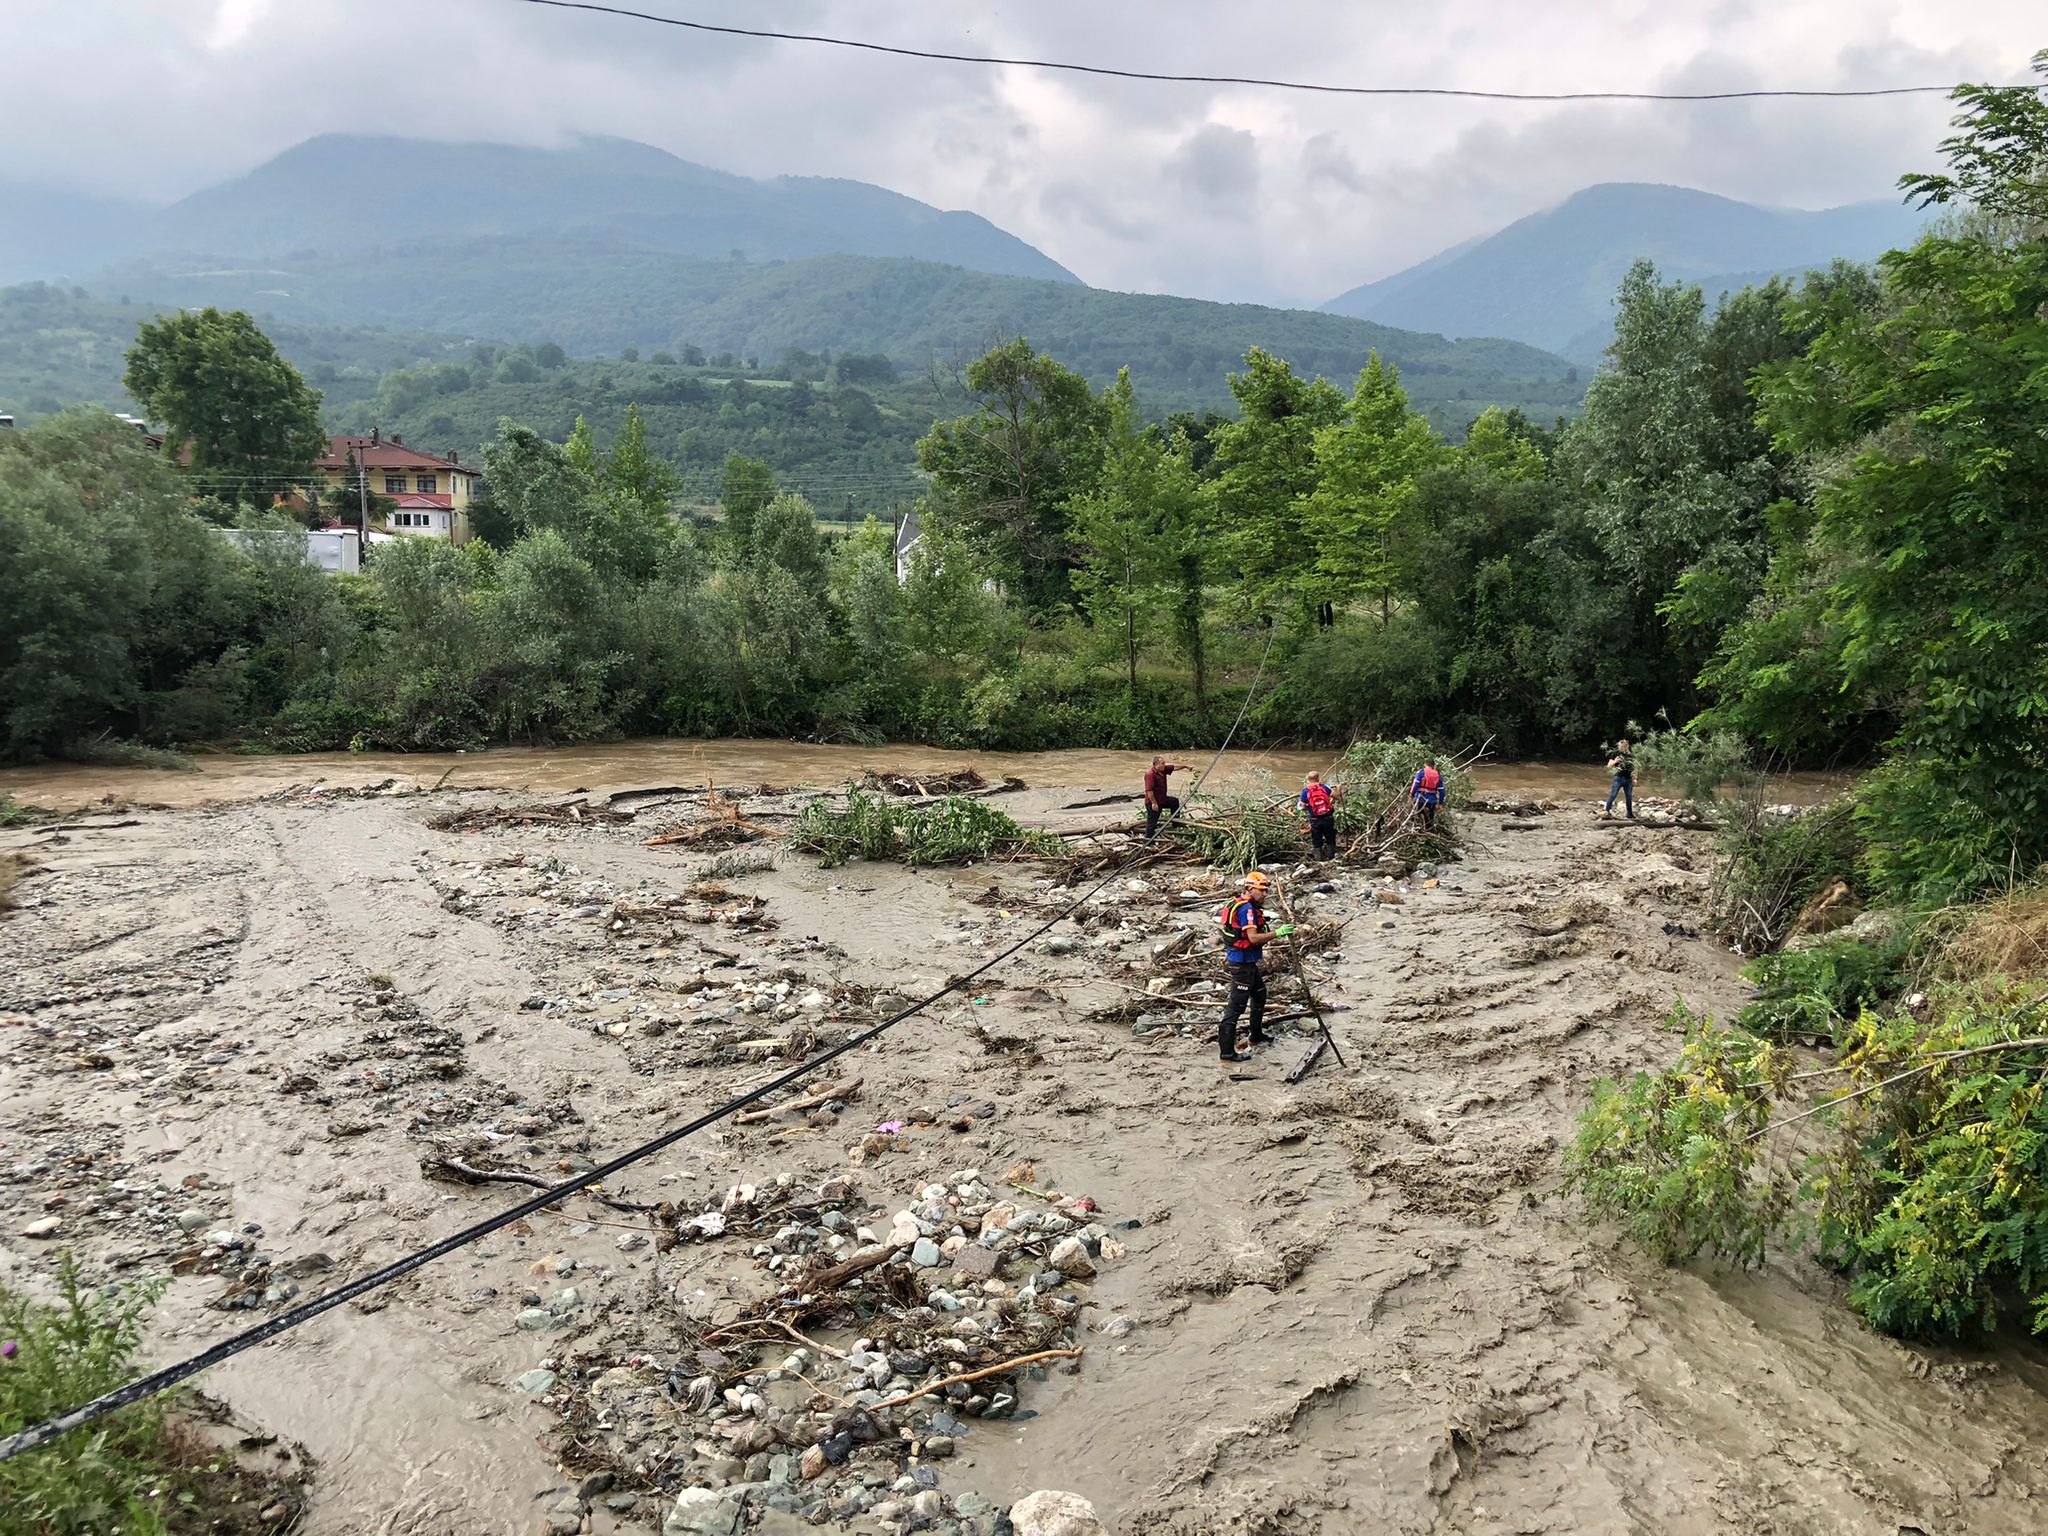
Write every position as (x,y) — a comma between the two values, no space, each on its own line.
(888,1338)
(933,784)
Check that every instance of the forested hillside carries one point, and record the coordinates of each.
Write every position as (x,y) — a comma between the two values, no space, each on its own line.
(594,299)
(63,346)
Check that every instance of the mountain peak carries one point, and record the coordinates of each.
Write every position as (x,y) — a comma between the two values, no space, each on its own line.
(1549,279)
(591,189)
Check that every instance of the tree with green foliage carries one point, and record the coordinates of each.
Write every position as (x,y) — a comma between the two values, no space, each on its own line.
(1264,471)
(580,449)
(745,486)
(237,414)
(632,470)
(538,485)
(1131,525)
(1939,513)
(1366,465)
(1004,475)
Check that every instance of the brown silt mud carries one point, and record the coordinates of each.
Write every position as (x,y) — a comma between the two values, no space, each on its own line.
(239,1044)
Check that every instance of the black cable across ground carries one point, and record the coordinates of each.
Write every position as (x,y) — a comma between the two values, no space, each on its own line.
(171,1375)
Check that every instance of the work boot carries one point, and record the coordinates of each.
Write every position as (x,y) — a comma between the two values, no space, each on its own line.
(1260,1037)
(1233,1056)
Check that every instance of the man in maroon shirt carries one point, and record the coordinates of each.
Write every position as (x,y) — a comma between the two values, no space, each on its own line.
(1157,800)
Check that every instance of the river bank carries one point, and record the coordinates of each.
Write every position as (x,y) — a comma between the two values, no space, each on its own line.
(733,761)
(1334,1306)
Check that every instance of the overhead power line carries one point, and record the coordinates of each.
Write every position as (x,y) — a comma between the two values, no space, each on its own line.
(1069,67)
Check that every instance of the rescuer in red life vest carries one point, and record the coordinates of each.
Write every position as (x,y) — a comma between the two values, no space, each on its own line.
(1426,790)
(1320,802)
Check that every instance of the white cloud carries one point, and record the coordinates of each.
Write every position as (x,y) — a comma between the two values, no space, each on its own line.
(1223,191)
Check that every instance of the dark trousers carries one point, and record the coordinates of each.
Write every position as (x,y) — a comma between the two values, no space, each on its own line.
(1625,787)
(1322,835)
(1246,986)
(1170,805)
(1425,808)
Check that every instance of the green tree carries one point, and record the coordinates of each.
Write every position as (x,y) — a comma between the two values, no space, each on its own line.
(240,415)
(632,471)
(1004,475)
(581,449)
(1914,583)
(745,486)
(1365,465)
(1264,471)
(1126,525)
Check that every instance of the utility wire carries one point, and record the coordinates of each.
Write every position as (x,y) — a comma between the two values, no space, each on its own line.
(1278,85)
(161,1380)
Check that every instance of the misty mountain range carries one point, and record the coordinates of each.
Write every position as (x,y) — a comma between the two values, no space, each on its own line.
(605,244)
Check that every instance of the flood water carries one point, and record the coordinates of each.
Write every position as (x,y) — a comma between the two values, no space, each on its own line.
(632,764)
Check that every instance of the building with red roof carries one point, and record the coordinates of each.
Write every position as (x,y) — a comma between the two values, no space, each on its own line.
(430,493)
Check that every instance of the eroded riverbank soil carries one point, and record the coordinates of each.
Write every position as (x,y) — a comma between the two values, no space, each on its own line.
(230,1037)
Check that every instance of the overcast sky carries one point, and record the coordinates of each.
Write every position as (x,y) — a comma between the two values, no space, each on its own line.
(1220,192)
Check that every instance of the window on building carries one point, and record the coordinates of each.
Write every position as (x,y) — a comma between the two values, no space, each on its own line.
(394,485)
(424,484)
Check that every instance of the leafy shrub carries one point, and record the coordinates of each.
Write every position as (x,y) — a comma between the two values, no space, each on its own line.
(1376,775)
(956,830)
(108,1475)
(1811,994)
(1674,1158)
(17,813)
(1931,1194)
(1929,841)
(1769,865)
(1244,824)
(1696,765)
(1935,1198)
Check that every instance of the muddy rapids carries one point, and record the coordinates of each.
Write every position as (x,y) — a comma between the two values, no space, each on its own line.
(253,1044)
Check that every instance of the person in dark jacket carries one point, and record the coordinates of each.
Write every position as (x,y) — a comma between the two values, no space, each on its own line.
(1623,766)
(1157,801)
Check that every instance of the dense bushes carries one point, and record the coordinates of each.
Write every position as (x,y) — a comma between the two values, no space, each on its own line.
(110,1476)
(1813,994)
(1929,1191)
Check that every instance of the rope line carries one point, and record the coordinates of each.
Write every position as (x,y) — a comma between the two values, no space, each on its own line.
(1278,85)
(161,1380)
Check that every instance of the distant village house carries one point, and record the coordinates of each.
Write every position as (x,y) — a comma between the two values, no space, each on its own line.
(430,494)
(909,533)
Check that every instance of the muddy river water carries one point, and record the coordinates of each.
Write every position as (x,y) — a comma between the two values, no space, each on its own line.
(559,770)
(1353,1303)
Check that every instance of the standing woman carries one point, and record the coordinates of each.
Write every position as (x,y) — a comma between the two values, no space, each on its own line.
(1623,766)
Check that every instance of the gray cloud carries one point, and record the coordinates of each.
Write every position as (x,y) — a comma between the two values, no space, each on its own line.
(1226,192)
(1217,163)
